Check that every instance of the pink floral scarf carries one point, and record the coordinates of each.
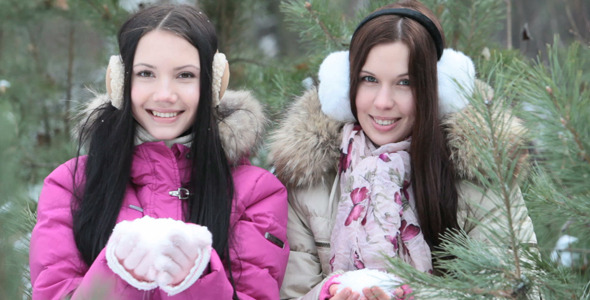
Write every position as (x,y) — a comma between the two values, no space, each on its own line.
(376,216)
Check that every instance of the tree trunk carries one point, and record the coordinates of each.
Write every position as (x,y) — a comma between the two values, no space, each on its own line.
(69,84)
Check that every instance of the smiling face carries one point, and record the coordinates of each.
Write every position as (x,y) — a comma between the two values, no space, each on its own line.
(165,84)
(384,100)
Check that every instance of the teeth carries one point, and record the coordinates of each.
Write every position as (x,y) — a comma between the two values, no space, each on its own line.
(384,122)
(164,115)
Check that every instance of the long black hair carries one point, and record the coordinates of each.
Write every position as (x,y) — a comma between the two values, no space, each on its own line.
(109,136)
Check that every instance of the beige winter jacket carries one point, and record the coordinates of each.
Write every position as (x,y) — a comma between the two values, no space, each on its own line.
(304,150)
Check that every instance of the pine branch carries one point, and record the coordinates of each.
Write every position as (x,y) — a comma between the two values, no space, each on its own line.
(314,15)
(319,24)
(566,122)
(558,99)
(498,158)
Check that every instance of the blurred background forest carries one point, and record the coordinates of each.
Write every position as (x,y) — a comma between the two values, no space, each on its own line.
(53,53)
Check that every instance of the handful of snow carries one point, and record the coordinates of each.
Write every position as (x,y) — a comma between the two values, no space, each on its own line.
(364,278)
(153,236)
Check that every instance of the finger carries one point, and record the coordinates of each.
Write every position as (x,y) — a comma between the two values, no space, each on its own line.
(346,294)
(152,274)
(333,289)
(164,279)
(124,246)
(135,257)
(178,256)
(368,294)
(166,266)
(379,293)
(143,267)
(399,292)
(354,296)
(189,249)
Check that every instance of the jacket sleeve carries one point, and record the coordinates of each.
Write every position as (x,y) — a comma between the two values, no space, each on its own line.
(258,242)
(57,269)
(304,277)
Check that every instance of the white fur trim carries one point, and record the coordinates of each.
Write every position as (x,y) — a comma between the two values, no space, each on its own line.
(219,63)
(117,75)
(456,81)
(359,279)
(154,234)
(333,87)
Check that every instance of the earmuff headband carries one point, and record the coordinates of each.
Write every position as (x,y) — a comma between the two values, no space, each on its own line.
(414,15)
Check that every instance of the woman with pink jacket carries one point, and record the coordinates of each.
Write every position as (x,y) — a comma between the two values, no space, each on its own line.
(165,204)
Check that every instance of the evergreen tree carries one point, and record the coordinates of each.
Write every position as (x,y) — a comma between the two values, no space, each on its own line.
(49,52)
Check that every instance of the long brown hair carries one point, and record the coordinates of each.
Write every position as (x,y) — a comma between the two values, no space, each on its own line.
(433,175)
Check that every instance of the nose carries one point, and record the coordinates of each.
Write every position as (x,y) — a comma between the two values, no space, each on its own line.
(165,91)
(384,98)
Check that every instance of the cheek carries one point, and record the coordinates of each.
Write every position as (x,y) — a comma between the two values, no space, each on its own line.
(408,106)
(192,97)
(363,99)
(135,99)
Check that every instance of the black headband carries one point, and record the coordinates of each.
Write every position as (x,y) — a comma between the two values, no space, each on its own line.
(414,15)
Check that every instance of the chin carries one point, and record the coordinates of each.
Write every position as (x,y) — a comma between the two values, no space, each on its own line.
(163,137)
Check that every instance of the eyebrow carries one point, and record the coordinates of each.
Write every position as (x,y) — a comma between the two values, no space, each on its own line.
(175,69)
(371,73)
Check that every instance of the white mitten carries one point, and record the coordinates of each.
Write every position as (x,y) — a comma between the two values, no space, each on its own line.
(149,252)
(364,278)
(131,256)
(184,257)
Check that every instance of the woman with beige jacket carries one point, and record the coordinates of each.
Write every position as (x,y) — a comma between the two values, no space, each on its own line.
(380,162)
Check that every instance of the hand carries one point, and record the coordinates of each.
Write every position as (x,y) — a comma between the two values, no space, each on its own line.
(345,294)
(176,260)
(135,257)
(402,291)
(376,293)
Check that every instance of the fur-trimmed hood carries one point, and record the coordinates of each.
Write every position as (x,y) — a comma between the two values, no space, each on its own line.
(241,126)
(304,149)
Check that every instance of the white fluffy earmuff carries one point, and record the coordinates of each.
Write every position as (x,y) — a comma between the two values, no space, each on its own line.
(115,76)
(220,77)
(456,82)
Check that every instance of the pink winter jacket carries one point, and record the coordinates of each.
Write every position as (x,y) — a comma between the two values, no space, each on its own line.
(258,261)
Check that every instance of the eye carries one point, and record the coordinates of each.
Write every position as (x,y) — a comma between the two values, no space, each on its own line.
(185,75)
(369,79)
(145,73)
(404,82)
